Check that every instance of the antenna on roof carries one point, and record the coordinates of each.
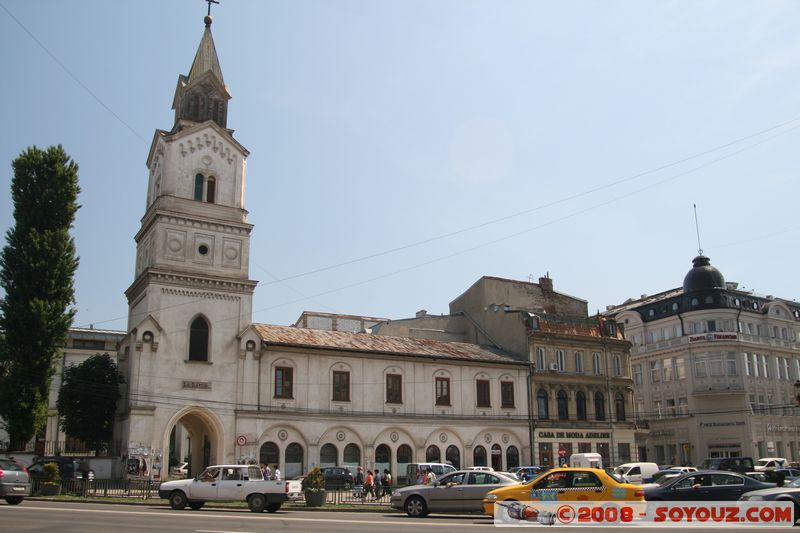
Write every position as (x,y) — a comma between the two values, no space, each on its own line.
(697,228)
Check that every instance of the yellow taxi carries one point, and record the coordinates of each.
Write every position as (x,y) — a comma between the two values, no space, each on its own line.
(566,485)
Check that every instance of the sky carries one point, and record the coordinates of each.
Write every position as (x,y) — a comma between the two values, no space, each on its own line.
(400,150)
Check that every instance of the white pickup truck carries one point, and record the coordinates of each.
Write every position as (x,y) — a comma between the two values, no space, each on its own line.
(230,483)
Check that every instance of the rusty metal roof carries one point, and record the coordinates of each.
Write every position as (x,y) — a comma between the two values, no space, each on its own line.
(380,344)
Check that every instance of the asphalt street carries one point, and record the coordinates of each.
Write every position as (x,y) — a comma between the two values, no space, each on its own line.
(68,517)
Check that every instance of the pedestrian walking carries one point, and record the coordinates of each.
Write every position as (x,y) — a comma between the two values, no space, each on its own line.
(359,481)
(386,479)
(378,484)
(276,473)
(369,483)
(266,471)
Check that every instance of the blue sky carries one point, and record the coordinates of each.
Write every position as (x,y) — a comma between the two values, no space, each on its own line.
(446,139)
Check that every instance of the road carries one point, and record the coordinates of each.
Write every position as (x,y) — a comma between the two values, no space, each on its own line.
(68,517)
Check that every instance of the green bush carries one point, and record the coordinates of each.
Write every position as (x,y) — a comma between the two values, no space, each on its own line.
(51,473)
(314,481)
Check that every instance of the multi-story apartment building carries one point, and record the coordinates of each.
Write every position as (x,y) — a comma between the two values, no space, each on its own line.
(580,385)
(714,369)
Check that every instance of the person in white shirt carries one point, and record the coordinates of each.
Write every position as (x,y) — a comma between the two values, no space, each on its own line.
(276,473)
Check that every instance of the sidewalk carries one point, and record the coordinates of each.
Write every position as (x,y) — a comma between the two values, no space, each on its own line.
(366,507)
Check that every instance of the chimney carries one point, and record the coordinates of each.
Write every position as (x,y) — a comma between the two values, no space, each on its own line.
(421,313)
(546,284)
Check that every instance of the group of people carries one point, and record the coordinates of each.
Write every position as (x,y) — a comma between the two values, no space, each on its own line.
(428,477)
(274,474)
(374,484)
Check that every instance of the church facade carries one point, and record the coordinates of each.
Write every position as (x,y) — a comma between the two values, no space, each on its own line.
(203,379)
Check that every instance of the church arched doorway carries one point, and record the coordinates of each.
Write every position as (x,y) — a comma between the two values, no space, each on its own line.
(194,439)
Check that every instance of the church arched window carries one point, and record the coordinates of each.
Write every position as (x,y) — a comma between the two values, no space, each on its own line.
(198,187)
(205,189)
(211,189)
(198,340)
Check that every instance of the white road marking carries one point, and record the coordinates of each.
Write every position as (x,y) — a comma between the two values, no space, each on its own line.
(261,517)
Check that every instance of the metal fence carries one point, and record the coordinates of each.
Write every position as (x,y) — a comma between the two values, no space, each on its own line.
(356,496)
(111,488)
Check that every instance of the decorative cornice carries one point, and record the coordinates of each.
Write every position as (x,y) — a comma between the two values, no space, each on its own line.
(198,295)
(202,284)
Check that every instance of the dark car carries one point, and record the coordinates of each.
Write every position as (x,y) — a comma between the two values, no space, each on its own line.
(337,477)
(15,483)
(734,464)
(789,492)
(68,468)
(704,485)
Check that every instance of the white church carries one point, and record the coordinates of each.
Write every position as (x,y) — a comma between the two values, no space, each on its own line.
(292,396)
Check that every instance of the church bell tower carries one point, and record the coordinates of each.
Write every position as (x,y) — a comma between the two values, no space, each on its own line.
(191,295)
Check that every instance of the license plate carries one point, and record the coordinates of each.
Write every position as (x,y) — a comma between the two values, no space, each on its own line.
(18,488)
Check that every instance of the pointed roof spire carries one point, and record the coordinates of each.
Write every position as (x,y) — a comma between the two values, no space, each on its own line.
(206,57)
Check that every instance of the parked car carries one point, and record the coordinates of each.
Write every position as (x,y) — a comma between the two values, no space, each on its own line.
(704,485)
(415,471)
(766,463)
(790,492)
(337,477)
(734,464)
(527,473)
(458,492)
(675,471)
(789,474)
(637,472)
(567,485)
(15,483)
(181,471)
(68,468)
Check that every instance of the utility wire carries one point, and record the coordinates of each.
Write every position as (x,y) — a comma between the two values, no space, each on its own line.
(540,226)
(72,75)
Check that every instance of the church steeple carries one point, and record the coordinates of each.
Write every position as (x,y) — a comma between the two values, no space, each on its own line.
(202,95)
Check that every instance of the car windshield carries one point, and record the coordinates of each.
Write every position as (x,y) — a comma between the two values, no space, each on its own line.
(666,480)
(762,462)
(616,477)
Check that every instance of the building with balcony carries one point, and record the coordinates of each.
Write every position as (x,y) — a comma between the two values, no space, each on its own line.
(714,369)
(579,387)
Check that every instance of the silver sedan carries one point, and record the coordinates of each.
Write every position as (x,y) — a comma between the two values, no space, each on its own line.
(457,492)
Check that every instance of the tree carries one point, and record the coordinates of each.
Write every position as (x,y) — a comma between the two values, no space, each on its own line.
(37,266)
(88,398)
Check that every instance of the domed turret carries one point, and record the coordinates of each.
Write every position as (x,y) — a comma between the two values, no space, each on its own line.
(702,276)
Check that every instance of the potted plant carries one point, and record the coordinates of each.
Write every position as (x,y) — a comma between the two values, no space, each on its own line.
(314,488)
(51,483)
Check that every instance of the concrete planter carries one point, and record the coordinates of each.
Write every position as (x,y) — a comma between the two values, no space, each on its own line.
(50,489)
(315,499)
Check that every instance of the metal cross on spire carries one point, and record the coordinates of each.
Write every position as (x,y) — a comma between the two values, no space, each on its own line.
(209,5)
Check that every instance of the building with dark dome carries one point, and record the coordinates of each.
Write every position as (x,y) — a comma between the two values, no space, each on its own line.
(714,370)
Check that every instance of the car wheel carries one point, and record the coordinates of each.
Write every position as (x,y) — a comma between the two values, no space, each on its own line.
(196,506)
(416,507)
(14,500)
(177,500)
(257,503)
(272,507)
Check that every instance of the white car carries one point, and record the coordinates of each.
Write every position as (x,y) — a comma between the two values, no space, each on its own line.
(180,471)
(230,483)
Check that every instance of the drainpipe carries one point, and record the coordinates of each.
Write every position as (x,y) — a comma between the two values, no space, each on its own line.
(530,411)
(610,403)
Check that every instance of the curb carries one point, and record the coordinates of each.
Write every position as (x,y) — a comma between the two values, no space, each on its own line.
(163,503)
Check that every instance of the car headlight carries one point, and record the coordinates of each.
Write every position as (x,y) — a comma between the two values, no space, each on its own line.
(490,497)
(396,494)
